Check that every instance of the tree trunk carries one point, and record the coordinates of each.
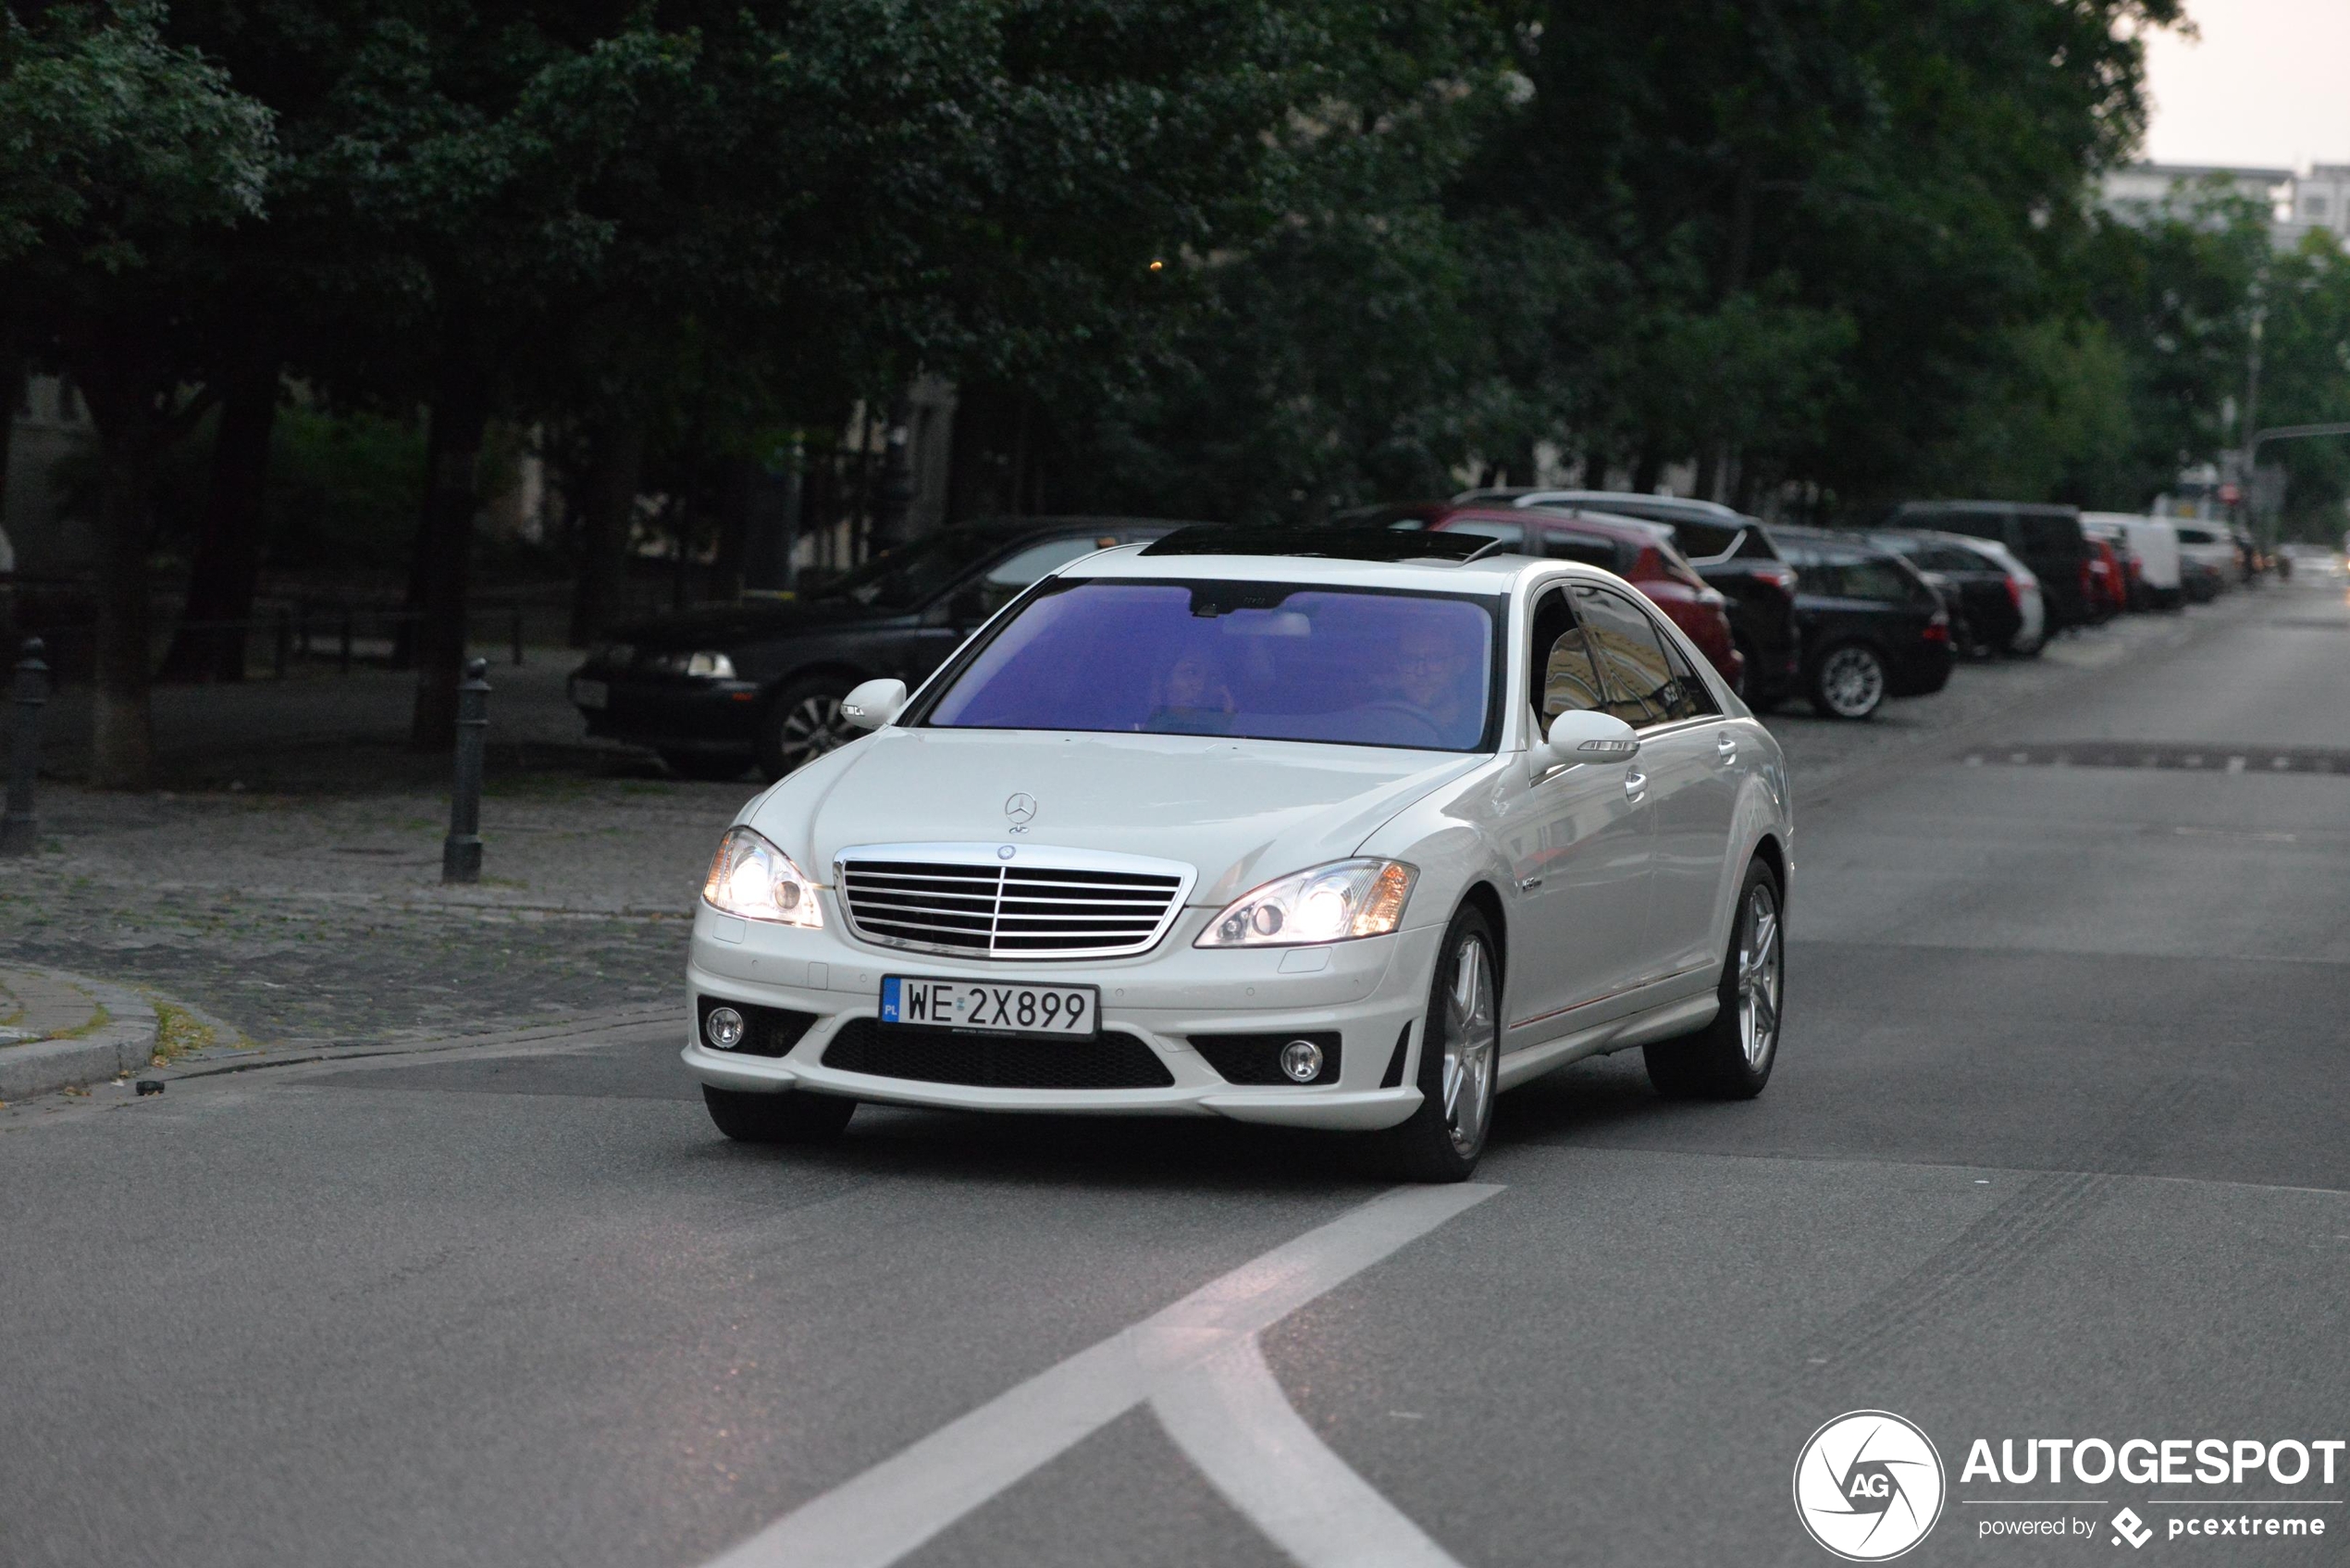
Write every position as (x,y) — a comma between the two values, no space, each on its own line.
(227,564)
(607,508)
(1648,468)
(126,391)
(1595,469)
(443,568)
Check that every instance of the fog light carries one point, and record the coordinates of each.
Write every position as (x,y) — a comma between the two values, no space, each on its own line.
(724,1028)
(1302,1060)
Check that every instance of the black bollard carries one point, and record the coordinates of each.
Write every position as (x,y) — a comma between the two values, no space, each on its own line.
(18,833)
(461,851)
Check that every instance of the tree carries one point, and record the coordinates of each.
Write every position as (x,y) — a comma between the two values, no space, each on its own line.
(120,154)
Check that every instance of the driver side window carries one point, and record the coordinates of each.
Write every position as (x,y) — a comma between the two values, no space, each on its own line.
(1561,676)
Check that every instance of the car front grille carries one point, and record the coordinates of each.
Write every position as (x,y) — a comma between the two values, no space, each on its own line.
(1114,1060)
(1038,903)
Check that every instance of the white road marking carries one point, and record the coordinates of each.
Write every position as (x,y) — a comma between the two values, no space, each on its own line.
(1230,1417)
(875,1518)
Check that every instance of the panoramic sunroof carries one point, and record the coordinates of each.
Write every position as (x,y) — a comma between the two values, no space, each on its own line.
(1329,544)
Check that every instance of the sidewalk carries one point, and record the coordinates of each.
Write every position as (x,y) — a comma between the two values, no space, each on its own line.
(59,1029)
(317,730)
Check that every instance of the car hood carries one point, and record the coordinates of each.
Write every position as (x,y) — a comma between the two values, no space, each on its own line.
(1237,811)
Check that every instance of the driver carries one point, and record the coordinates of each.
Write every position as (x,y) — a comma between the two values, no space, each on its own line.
(1426,676)
(1191,698)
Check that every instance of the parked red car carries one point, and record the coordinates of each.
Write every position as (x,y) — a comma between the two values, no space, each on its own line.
(2104,586)
(1640,553)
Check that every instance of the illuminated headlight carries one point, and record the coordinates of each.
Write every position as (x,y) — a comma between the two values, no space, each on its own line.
(707,666)
(1331,903)
(751,878)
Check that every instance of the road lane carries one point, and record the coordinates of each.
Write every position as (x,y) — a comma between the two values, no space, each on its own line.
(2054,1147)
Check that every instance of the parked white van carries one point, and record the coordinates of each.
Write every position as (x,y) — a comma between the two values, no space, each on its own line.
(2149,549)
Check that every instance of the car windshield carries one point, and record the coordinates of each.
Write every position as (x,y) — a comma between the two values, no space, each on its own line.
(907,577)
(1260,660)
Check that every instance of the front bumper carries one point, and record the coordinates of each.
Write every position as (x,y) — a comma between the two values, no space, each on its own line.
(669,714)
(1369,991)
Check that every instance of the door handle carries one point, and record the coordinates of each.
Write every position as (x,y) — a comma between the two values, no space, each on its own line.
(1725,747)
(1634,784)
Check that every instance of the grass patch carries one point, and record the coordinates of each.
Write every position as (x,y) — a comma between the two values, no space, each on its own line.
(98,1020)
(178,1032)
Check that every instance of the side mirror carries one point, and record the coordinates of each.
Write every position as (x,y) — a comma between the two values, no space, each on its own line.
(874,704)
(1582,734)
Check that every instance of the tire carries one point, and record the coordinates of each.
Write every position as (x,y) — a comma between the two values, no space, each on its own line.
(2019,648)
(1847,682)
(793,1116)
(801,724)
(710,767)
(1460,1060)
(1731,1058)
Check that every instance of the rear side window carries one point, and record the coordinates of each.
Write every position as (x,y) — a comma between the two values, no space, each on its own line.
(2197,537)
(1640,684)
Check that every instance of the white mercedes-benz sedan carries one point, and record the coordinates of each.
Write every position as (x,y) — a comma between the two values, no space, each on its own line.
(1336,829)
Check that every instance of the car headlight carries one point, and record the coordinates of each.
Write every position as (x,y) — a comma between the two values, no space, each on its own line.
(706,665)
(751,878)
(1333,903)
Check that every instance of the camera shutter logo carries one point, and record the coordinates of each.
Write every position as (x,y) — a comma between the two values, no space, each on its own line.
(1869,1485)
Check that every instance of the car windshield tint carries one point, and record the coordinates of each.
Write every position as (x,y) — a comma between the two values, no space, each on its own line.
(1264,661)
(912,574)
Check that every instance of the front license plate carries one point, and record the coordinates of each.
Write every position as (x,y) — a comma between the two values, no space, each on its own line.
(991,1006)
(590,694)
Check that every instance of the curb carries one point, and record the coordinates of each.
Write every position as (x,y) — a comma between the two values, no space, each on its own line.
(126,1044)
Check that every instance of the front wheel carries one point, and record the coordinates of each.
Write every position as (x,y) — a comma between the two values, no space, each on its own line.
(802,724)
(793,1116)
(1731,1058)
(1849,681)
(1460,1058)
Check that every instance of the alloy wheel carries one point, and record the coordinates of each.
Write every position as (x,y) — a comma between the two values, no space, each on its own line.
(1472,1035)
(1761,976)
(809,729)
(1853,682)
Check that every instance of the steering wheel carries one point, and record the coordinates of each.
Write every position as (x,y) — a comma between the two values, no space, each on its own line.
(1403,709)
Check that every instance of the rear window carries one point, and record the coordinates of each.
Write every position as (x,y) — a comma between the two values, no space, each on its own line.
(1701,539)
(1974,524)
(1589,548)
(1880,581)
(1510,534)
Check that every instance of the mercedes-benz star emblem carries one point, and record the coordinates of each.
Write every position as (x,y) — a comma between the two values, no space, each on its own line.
(1022,810)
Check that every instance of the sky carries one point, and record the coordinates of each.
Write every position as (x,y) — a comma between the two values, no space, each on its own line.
(2268,84)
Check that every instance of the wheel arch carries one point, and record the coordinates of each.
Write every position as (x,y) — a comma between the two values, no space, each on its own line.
(1772,853)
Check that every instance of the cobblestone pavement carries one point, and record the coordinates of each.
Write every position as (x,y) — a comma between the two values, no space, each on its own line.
(305,905)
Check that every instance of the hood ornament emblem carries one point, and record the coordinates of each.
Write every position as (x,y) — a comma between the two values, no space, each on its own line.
(1021,810)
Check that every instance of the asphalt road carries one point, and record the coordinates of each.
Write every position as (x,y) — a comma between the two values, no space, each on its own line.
(2057,1148)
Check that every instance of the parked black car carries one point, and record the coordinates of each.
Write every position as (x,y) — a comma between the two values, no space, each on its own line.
(1731,550)
(1871,626)
(2046,538)
(1984,601)
(719,688)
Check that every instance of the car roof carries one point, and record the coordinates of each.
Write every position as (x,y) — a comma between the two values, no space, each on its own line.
(1489,574)
(1633,503)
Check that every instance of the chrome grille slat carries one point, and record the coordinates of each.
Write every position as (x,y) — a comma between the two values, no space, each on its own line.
(973,899)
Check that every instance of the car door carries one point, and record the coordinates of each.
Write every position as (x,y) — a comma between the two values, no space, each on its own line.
(1689,759)
(1579,845)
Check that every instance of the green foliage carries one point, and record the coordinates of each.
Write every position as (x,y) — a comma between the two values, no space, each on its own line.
(109,136)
